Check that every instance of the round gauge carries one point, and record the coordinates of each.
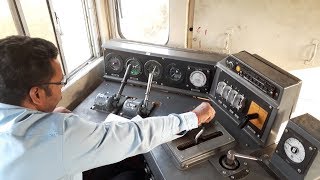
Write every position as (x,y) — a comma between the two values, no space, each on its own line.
(198,78)
(114,64)
(174,73)
(152,64)
(136,66)
(294,150)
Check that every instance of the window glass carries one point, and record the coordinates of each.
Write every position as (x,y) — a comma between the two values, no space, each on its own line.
(38,19)
(144,20)
(6,21)
(73,30)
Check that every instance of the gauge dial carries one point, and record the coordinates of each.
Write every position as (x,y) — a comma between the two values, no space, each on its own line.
(114,64)
(294,150)
(198,78)
(136,66)
(174,73)
(152,64)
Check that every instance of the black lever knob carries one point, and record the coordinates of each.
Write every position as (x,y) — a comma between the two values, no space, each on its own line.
(247,118)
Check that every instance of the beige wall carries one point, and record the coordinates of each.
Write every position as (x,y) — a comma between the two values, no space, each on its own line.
(281,31)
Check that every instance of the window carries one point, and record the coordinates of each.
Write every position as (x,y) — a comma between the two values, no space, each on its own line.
(154,28)
(6,21)
(65,23)
(72,28)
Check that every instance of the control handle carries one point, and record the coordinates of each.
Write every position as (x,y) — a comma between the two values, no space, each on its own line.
(123,81)
(146,97)
(231,157)
(247,118)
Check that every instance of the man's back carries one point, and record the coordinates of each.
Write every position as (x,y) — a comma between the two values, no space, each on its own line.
(30,144)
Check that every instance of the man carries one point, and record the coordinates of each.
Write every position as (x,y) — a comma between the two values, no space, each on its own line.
(40,141)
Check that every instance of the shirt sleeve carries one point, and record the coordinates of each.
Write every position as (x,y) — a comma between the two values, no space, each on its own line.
(87,145)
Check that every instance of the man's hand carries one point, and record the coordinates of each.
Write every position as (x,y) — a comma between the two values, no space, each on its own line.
(61,110)
(204,112)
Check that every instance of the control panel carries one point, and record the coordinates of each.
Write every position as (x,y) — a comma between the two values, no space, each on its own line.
(253,92)
(251,96)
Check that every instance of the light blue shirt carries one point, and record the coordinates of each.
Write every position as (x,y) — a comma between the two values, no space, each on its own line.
(37,145)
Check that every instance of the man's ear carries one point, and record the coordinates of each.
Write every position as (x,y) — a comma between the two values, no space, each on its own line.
(37,95)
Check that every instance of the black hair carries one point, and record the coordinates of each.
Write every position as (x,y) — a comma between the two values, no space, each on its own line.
(24,62)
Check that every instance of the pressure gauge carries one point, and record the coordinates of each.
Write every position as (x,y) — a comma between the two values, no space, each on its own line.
(114,63)
(198,78)
(294,149)
(153,65)
(136,66)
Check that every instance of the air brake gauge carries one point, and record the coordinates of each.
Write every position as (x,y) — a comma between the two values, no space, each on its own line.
(198,78)
(152,64)
(136,66)
(114,64)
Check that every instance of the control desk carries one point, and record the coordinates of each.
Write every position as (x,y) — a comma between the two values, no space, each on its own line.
(252,98)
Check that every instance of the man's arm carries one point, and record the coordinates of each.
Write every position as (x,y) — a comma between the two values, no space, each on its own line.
(88,145)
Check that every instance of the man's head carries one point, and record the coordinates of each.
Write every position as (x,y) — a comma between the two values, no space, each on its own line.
(29,73)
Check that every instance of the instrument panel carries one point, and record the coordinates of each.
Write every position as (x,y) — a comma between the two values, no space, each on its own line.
(196,76)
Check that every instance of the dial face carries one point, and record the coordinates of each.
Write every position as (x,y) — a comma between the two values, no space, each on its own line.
(174,73)
(198,78)
(294,150)
(153,65)
(115,64)
(136,66)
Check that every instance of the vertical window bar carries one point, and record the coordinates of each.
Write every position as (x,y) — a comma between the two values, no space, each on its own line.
(94,28)
(57,36)
(18,17)
(85,8)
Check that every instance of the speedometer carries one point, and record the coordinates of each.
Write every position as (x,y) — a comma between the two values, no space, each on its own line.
(198,78)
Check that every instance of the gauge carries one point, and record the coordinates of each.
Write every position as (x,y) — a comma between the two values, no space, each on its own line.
(153,65)
(198,78)
(294,150)
(136,66)
(174,73)
(114,64)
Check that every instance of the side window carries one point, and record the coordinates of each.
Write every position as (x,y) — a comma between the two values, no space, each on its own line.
(143,20)
(37,18)
(71,20)
(6,21)
(65,23)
